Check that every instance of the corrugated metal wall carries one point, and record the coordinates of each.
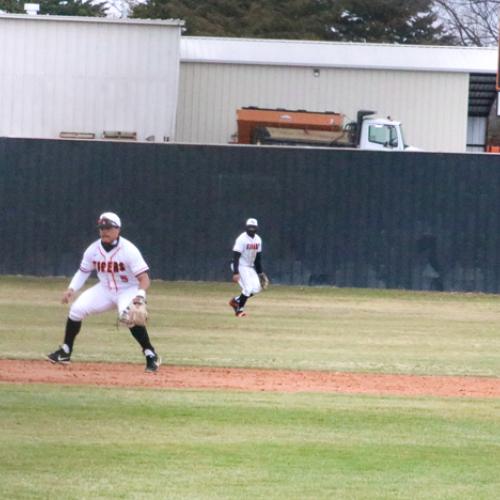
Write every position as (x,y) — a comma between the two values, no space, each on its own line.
(476,133)
(432,106)
(87,77)
(343,217)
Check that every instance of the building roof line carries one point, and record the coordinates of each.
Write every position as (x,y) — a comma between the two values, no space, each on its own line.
(327,42)
(84,19)
(323,54)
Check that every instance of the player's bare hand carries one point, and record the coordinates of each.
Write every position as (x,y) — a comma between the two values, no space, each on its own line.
(236,278)
(67,296)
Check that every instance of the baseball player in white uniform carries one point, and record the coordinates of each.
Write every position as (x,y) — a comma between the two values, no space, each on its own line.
(123,278)
(246,266)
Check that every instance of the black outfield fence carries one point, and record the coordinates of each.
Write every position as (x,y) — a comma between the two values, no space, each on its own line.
(332,217)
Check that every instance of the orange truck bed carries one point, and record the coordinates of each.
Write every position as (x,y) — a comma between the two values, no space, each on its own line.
(250,118)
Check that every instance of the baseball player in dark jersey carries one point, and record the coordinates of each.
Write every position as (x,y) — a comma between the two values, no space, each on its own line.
(123,280)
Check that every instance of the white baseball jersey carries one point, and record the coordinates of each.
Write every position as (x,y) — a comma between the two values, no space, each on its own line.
(117,269)
(248,247)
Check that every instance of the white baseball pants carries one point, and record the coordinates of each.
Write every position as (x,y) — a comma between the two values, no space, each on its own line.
(98,299)
(249,281)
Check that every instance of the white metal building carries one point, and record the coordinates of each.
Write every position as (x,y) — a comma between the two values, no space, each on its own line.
(88,75)
(429,89)
(96,75)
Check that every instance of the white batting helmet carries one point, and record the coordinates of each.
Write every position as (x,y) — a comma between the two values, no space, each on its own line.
(109,219)
(252,222)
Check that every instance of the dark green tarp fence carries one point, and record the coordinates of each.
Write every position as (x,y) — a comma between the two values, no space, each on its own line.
(345,218)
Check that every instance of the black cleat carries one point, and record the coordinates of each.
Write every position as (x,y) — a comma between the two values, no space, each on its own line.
(153,363)
(59,356)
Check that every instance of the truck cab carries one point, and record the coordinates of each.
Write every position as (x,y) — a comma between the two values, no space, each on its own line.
(381,134)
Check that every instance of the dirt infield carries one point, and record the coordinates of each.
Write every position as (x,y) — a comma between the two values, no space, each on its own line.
(241,379)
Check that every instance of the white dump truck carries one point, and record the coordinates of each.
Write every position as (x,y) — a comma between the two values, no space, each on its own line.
(306,128)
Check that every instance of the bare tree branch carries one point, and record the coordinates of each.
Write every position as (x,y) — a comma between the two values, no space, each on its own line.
(473,22)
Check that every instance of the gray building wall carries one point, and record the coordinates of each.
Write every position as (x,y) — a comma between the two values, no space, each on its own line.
(476,134)
(88,75)
(431,105)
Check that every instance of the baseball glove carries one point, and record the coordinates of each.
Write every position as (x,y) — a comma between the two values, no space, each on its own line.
(136,313)
(264,281)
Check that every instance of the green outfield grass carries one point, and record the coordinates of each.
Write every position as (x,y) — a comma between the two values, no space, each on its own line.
(287,327)
(81,442)
(71,442)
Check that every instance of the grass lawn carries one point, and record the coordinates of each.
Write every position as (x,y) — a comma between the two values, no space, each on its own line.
(287,327)
(81,442)
(73,442)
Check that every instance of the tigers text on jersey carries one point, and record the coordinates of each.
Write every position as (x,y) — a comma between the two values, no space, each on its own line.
(117,269)
(248,247)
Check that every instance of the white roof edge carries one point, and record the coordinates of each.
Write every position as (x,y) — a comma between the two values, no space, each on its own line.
(83,19)
(326,42)
(322,54)
(486,71)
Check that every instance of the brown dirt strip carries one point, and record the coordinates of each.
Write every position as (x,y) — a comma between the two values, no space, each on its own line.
(242,379)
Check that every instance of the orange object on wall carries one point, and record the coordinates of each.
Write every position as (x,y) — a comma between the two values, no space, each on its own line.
(493,149)
(249,118)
